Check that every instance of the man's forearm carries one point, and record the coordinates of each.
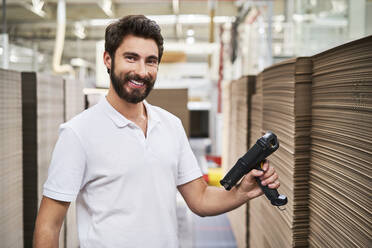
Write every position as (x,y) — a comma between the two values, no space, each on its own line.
(216,201)
(208,200)
(49,222)
(46,237)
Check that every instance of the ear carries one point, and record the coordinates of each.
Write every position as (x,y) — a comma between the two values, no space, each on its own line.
(107,60)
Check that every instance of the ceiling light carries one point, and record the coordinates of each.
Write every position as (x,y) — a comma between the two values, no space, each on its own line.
(79,62)
(14,58)
(190,40)
(190,32)
(40,58)
(169,20)
(106,6)
(79,30)
(36,7)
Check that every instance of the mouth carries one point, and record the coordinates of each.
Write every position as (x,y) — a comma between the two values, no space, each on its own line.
(136,84)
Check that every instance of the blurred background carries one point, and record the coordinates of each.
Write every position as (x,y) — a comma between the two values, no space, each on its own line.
(205,41)
(260,32)
(209,45)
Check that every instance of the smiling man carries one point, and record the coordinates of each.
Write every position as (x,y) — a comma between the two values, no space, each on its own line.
(123,160)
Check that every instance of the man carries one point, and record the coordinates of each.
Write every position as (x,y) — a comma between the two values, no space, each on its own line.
(123,160)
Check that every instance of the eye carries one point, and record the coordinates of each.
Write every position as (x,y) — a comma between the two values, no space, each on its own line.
(130,58)
(152,62)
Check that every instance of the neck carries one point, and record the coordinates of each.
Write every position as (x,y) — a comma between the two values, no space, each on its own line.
(131,111)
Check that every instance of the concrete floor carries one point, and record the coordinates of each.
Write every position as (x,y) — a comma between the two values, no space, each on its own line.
(206,232)
(203,232)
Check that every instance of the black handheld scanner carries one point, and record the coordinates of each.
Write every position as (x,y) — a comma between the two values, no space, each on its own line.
(254,159)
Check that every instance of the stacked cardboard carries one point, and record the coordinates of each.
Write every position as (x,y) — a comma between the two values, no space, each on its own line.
(255,128)
(237,120)
(174,101)
(241,91)
(73,98)
(92,99)
(226,111)
(11,215)
(43,112)
(74,103)
(287,113)
(255,215)
(341,152)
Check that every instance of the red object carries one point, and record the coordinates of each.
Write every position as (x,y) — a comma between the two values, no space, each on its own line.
(206,177)
(216,159)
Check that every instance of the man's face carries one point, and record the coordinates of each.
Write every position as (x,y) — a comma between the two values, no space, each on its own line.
(134,68)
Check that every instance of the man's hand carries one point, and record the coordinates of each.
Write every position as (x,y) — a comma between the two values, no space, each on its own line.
(207,200)
(248,188)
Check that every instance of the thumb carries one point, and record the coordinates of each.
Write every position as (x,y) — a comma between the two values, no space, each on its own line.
(254,173)
(249,184)
(250,178)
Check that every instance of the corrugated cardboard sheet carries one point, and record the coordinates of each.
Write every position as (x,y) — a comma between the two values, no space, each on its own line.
(174,101)
(93,99)
(255,215)
(11,214)
(226,111)
(43,112)
(74,104)
(341,152)
(286,111)
(255,129)
(241,91)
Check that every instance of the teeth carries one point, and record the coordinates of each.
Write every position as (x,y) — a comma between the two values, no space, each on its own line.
(136,83)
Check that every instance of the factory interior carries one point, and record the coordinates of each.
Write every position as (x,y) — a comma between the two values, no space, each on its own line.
(233,72)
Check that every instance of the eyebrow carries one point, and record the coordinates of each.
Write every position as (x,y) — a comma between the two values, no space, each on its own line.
(152,57)
(137,55)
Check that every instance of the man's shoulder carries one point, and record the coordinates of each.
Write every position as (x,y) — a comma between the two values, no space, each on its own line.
(85,119)
(164,115)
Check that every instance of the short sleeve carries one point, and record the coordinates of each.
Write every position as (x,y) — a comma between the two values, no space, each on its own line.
(66,170)
(188,168)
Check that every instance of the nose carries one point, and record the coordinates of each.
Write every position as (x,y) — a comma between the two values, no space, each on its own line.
(141,69)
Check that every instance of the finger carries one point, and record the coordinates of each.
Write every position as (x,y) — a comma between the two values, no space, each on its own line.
(266,165)
(254,173)
(268,173)
(274,185)
(270,179)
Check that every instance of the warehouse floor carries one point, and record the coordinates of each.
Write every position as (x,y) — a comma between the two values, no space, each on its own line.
(206,232)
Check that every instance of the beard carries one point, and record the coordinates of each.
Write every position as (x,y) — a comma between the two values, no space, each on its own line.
(135,95)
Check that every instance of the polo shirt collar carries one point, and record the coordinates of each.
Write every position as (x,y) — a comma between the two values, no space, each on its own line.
(151,114)
(121,121)
(118,119)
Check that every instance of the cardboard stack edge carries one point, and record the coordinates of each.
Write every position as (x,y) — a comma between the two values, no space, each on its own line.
(174,101)
(11,185)
(341,152)
(286,89)
(241,91)
(73,104)
(226,111)
(255,217)
(43,112)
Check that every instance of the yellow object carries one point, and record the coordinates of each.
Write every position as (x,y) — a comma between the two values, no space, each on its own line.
(214,176)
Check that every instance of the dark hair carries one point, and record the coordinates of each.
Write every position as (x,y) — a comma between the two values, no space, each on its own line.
(137,25)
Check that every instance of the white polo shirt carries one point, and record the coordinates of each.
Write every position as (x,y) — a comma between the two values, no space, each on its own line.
(124,183)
